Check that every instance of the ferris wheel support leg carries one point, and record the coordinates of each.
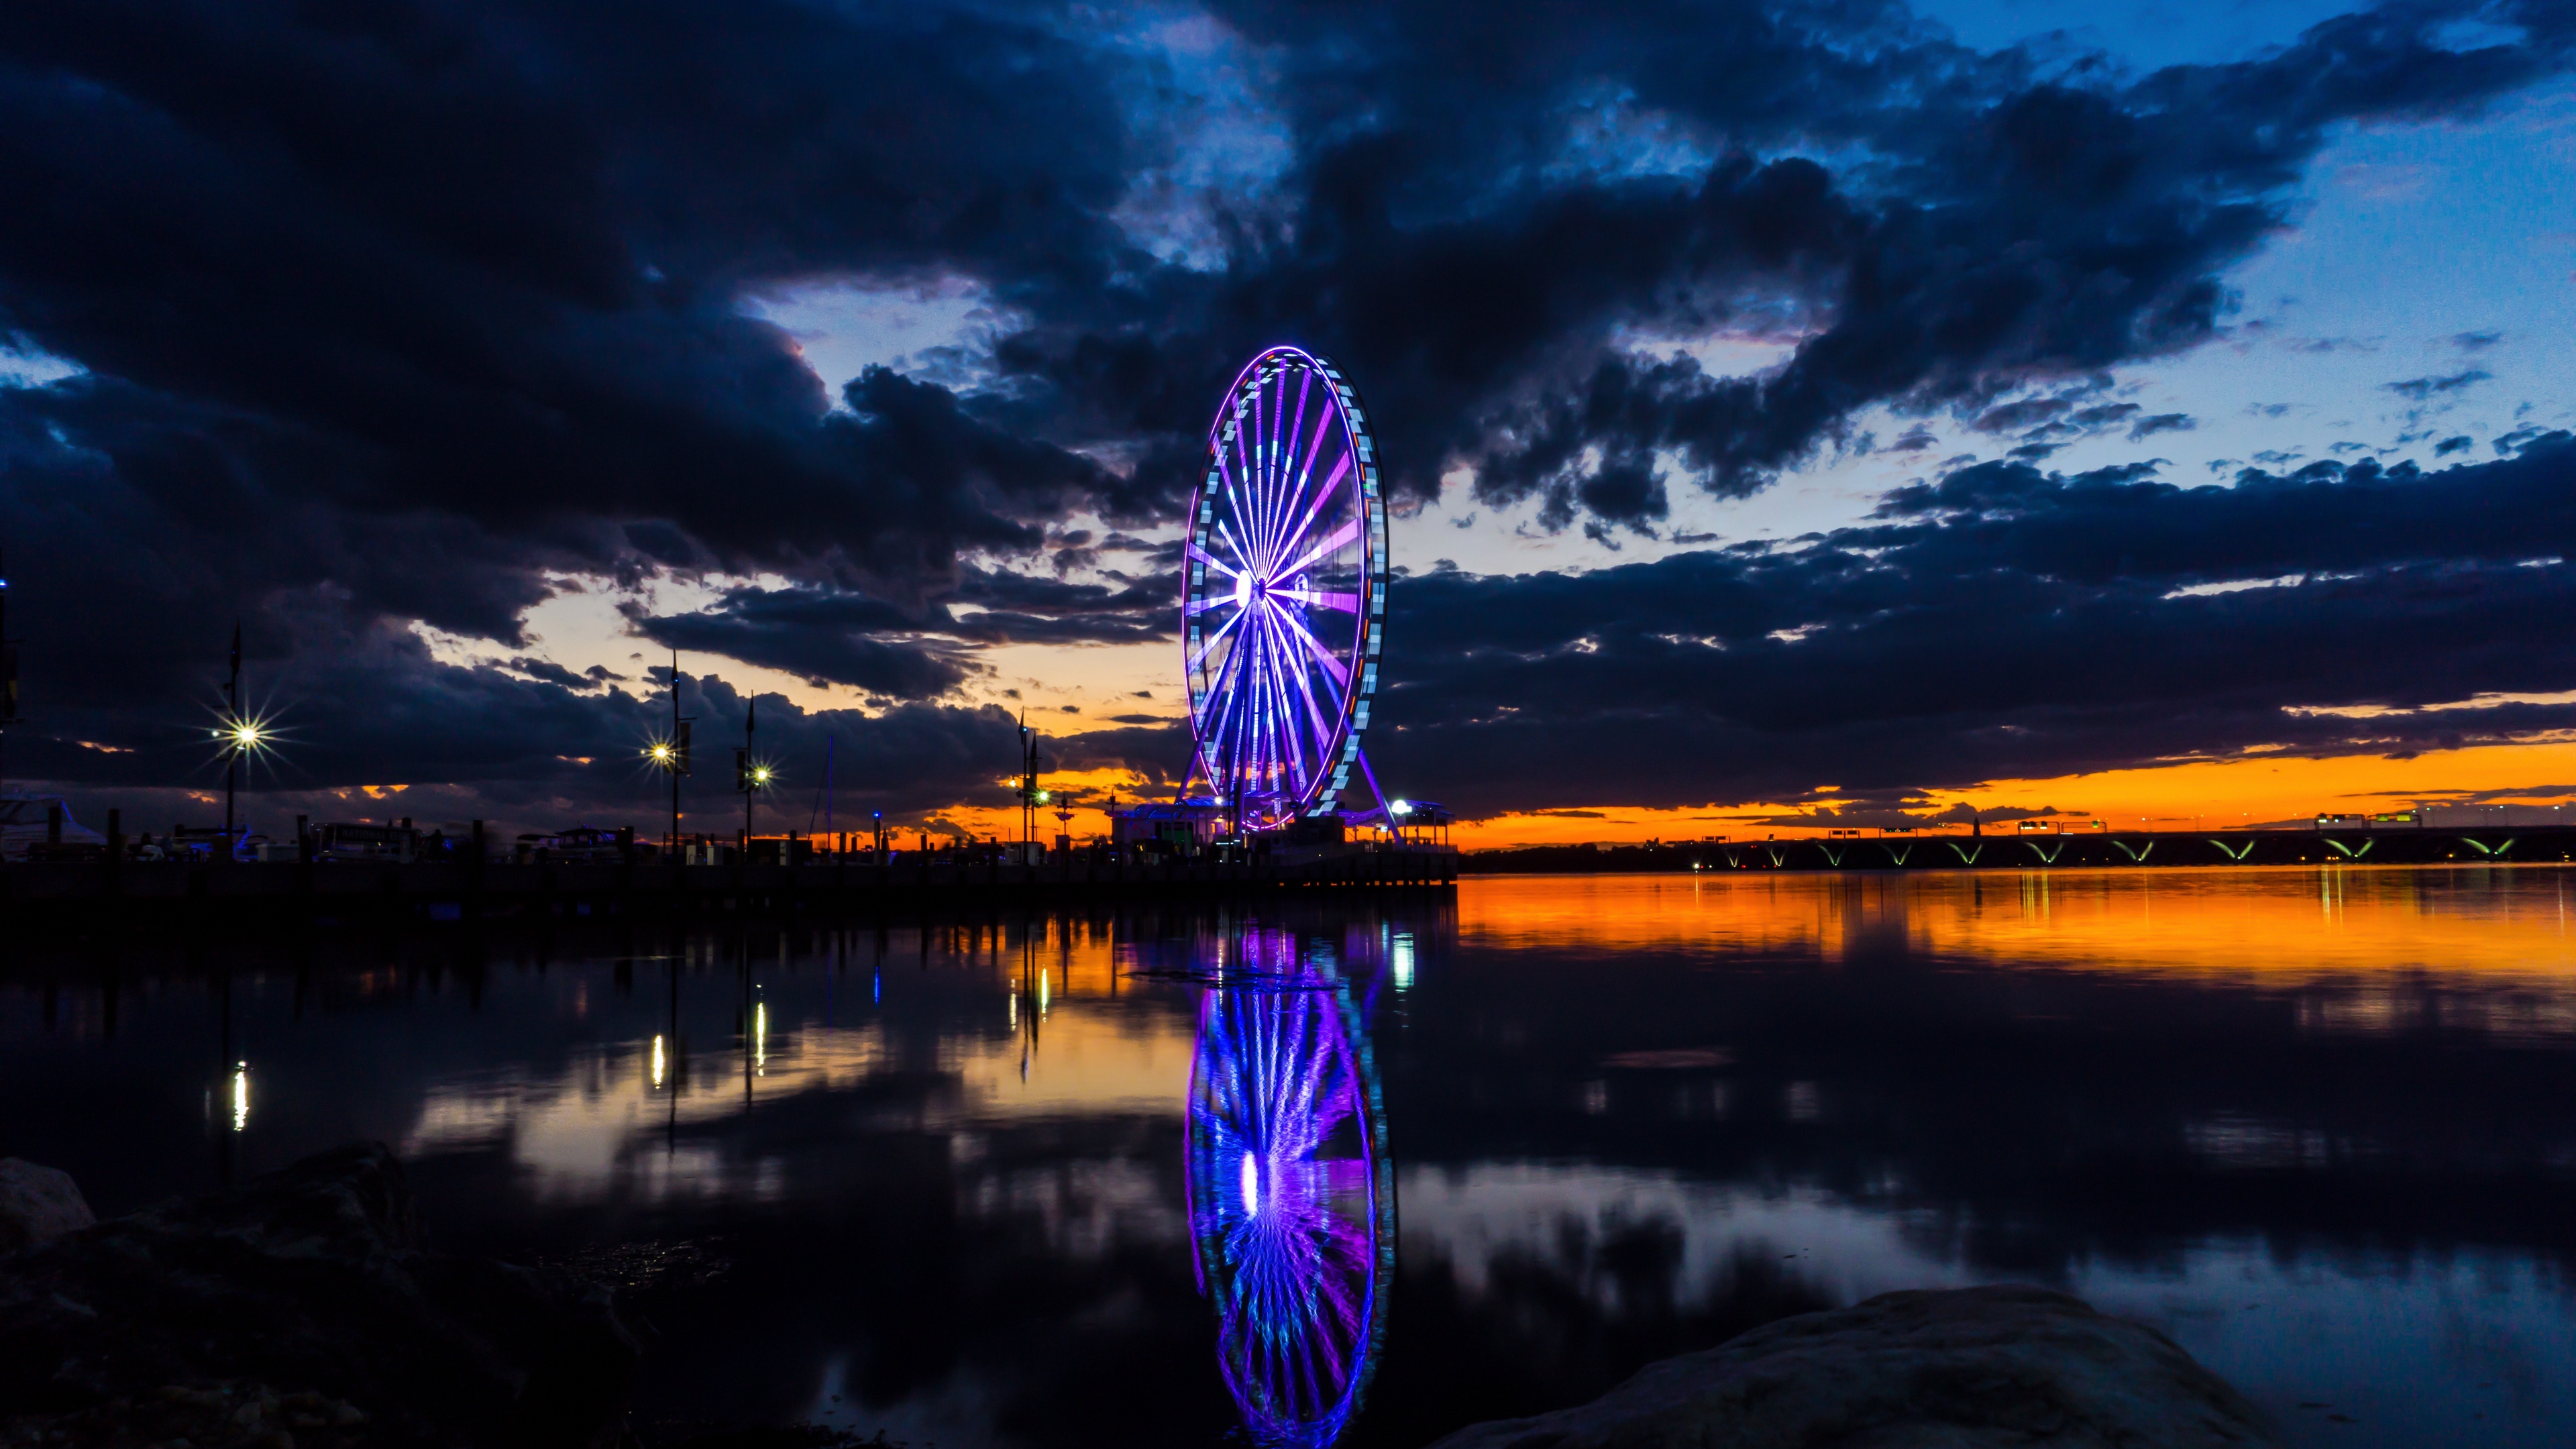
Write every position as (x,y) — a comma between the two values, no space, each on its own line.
(1371,776)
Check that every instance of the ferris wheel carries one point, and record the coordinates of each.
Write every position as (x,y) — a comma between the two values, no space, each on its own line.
(1284,596)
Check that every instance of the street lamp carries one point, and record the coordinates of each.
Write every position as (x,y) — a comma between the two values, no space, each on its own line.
(237,735)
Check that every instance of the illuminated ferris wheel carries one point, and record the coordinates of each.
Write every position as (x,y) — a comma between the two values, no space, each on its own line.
(1284,600)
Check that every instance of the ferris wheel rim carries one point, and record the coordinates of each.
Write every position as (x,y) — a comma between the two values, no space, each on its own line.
(1277,723)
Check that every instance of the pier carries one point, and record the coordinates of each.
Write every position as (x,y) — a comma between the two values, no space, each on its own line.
(93,893)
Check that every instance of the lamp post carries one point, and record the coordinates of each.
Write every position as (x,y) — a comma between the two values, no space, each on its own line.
(749,776)
(1031,797)
(673,755)
(236,729)
(8,661)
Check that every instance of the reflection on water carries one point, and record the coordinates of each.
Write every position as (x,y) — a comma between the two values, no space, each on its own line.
(1290,1189)
(1126,1178)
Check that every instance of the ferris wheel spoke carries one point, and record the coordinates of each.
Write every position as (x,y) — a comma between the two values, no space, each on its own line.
(1307,509)
(1283,448)
(1349,530)
(1286,746)
(1306,473)
(1284,726)
(1242,706)
(1320,599)
(1323,730)
(1321,654)
(1229,720)
(1212,561)
(1331,697)
(1256,473)
(1270,446)
(1247,753)
(1288,450)
(1234,510)
(1241,555)
(1242,469)
(1247,711)
(1219,698)
(1311,518)
(1210,642)
(1288,724)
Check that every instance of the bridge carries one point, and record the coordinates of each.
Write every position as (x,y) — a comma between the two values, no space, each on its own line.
(2125,849)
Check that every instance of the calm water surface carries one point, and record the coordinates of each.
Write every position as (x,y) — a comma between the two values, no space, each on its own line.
(1377,1170)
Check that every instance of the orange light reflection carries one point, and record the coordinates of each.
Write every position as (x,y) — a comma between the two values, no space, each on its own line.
(2278,925)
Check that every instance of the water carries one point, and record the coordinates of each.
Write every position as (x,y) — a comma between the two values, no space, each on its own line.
(2320,1126)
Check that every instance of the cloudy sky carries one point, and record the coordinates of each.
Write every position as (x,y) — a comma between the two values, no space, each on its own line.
(1818,412)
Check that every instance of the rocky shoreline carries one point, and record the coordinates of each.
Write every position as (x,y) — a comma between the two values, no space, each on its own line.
(302,1309)
(1961,1368)
(302,1312)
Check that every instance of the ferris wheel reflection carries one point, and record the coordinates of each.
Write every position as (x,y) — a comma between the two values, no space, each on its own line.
(1291,1191)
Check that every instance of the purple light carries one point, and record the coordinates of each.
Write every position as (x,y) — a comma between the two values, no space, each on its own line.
(1285,589)
(1290,1194)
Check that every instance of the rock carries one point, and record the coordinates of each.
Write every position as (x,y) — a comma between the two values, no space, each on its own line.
(38,1204)
(1960,1369)
(241,1415)
(304,1296)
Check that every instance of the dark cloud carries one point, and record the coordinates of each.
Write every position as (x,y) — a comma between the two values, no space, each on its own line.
(2421,388)
(819,635)
(1014,608)
(550,672)
(2105,415)
(2161,423)
(483,265)
(2013,417)
(826,635)
(2003,623)
(2040,229)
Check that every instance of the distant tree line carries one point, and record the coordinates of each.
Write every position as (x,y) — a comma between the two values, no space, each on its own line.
(1574,859)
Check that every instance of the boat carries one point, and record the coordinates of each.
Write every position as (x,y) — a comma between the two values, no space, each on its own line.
(25,828)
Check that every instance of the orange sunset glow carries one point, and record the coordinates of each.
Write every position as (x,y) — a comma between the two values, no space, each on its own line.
(2199,794)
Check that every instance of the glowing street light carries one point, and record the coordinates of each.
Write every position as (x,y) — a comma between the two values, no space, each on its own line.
(239,735)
